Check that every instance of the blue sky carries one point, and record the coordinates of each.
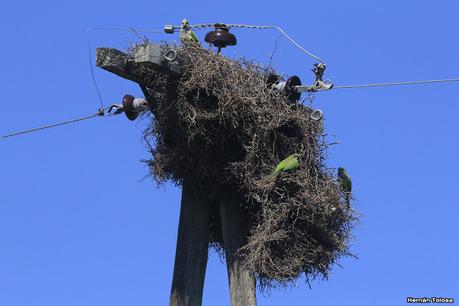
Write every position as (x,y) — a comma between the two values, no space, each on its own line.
(78,228)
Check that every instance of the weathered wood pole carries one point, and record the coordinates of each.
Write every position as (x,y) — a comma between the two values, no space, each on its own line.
(192,248)
(234,228)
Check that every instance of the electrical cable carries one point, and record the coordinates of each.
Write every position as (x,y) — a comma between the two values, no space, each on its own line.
(100,113)
(126,30)
(395,83)
(92,69)
(247,26)
(283,33)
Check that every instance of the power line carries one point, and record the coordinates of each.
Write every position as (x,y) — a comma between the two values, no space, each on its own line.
(92,69)
(247,26)
(100,113)
(126,30)
(396,83)
(306,88)
(282,32)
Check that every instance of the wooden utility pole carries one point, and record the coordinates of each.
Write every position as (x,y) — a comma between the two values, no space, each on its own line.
(192,247)
(196,208)
(234,228)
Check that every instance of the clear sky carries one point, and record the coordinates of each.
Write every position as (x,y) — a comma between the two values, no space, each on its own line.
(78,226)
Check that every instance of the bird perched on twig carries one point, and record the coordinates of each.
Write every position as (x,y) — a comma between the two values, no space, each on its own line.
(186,34)
(290,163)
(346,184)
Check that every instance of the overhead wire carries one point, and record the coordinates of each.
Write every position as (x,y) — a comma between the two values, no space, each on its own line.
(91,68)
(247,26)
(308,88)
(283,33)
(100,113)
(395,83)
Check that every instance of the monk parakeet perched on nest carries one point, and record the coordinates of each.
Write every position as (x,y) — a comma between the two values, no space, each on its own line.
(346,184)
(290,163)
(186,34)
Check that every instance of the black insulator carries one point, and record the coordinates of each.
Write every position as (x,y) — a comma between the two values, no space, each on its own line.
(292,93)
(133,106)
(288,88)
(272,79)
(220,37)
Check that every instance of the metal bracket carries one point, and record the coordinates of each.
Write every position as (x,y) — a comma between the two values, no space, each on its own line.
(317,114)
(117,107)
(169,29)
(170,55)
(319,84)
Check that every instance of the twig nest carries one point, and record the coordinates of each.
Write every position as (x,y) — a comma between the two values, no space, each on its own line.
(222,127)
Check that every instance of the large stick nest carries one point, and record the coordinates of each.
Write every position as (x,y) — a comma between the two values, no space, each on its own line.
(220,123)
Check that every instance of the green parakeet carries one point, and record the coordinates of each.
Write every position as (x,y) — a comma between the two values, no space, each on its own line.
(346,184)
(290,163)
(186,34)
